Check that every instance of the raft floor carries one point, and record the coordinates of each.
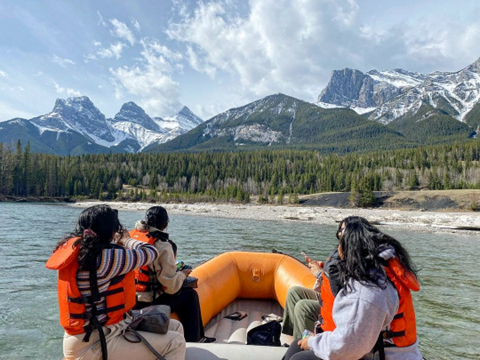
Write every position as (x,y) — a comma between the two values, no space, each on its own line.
(232,335)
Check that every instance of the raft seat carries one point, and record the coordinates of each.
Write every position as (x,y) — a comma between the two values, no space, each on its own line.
(232,335)
(228,331)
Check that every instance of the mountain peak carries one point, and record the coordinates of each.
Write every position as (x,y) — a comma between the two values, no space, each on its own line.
(185,111)
(131,112)
(130,106)
(475,66)
(77,114)
(73,102)
(180,123)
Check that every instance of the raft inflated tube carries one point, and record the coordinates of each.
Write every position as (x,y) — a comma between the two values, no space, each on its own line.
(247,275)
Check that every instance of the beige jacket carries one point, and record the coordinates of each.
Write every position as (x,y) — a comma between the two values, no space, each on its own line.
(165,267)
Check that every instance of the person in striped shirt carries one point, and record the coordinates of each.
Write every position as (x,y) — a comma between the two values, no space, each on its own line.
(98,227)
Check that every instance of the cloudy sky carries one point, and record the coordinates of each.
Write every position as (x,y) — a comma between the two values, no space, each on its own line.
(215,55)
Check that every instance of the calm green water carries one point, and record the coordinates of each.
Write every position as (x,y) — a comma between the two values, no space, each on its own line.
(448,310)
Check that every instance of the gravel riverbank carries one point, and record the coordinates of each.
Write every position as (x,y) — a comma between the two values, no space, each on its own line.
(414,220)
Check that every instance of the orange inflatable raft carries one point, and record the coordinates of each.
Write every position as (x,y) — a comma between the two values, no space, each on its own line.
(253,283)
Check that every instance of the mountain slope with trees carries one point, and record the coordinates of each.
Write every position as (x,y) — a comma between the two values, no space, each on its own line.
(281,121)
(431,126)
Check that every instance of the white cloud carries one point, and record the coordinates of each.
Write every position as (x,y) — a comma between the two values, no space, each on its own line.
(121,31)
(197,64)
(8,85)
(118,89)
(135,24)
(291,46)
(115,50)
(151,79)
(11,89)
(101,21)
(65,90)
(96,43)
(62,62)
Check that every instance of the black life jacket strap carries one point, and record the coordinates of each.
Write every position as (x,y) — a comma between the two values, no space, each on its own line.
(94,320)
(146,283)
(392,334)
(156,284)
(89,299)
(398,316)
(379,347)
(146,272)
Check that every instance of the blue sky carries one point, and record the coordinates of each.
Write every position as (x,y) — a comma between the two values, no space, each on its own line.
(215,55)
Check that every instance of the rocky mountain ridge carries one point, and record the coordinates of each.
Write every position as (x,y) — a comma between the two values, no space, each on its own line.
(392,94)
(130,130)
(283,121)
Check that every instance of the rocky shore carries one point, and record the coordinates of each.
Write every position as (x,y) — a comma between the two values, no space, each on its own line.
(414,220)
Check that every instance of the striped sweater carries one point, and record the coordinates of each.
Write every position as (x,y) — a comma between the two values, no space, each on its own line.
(115,262)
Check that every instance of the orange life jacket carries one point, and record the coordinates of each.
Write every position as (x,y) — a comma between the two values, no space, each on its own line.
(327,294)
(119,297)
(145,278)
(402,330)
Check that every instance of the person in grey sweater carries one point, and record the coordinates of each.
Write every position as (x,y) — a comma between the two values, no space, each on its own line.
(367,303)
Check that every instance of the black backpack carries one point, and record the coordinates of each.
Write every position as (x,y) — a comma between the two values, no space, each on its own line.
(267,334)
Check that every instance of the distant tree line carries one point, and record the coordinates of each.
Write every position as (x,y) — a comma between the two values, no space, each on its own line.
(271,176)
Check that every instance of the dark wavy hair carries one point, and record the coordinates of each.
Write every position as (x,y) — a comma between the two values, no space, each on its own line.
(361,243)
(103,221)
(157,217)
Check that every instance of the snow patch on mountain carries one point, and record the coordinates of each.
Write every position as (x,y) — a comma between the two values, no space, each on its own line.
(398,77)
(325,105)
(137,132)
(361,111)
(42,129)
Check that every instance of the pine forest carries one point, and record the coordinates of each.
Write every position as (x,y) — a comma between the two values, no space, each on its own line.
(268,175)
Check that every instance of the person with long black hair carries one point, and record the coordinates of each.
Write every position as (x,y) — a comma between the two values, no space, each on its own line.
(162,282)
(96,289)
(373,311)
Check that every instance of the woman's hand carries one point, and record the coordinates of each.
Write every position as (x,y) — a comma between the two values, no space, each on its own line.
(120,237)
(315,266)
(303,344)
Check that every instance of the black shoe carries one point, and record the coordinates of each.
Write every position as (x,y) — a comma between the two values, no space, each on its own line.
(207,340)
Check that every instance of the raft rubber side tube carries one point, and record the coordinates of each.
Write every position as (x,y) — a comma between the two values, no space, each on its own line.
(247,275)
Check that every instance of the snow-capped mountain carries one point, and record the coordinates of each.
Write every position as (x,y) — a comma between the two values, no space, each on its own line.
(131,112)
(133,122)
(392,94)
(76,126)
(79,115)
(180,123)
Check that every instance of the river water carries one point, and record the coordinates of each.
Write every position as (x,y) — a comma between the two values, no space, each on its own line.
(447,307)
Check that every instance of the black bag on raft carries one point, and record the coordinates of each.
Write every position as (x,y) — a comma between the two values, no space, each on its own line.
(267,334)
(155,319)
